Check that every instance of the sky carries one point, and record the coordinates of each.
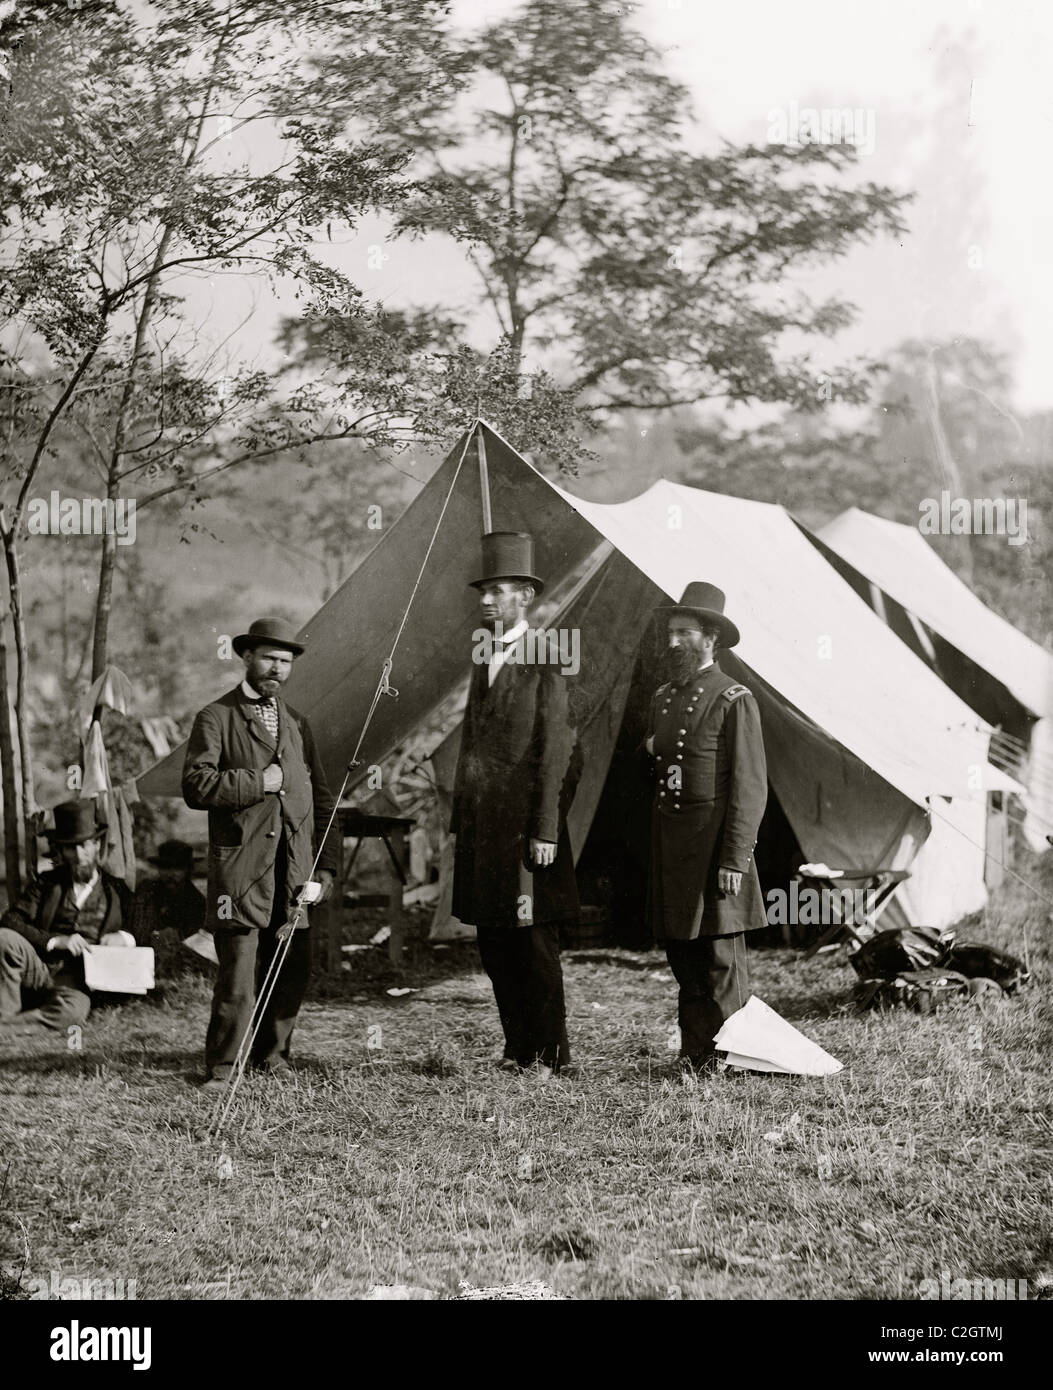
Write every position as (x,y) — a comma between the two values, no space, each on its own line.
(957,105)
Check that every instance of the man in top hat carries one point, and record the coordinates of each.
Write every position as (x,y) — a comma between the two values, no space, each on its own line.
(60,914)
(251,763)
(710,794)
(513,870)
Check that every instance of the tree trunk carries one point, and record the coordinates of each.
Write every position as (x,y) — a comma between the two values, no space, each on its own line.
(12,864)
(103,606)
(25,751)
(104,600)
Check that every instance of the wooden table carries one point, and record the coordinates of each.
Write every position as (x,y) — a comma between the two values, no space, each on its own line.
(359,826)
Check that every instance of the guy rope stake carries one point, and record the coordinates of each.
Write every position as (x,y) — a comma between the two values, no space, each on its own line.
(225,1101)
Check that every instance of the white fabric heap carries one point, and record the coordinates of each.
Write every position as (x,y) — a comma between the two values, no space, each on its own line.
(756,1038)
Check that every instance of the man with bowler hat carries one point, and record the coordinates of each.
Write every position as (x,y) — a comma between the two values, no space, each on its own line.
(251,763)
(513,868)
(711,790)
(59,915)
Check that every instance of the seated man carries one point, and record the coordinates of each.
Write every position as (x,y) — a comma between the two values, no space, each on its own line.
(44,934)
(167,909)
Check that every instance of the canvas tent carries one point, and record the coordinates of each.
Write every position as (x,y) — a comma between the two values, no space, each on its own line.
(997,670)
(869,754)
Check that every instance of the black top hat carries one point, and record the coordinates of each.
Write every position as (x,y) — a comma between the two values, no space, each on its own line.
(508,555)
(173,854)
(269,632)
(705,602)
(76,822)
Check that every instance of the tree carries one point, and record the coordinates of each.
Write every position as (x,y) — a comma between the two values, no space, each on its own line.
(648,275)
(941,420)
(117,180)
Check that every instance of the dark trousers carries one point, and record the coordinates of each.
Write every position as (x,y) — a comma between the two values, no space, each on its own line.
(713,975)
(245,955)
(26,982)
(524,969)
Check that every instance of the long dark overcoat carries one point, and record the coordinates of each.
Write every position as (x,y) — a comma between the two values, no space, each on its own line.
(228,750)
(711,790)
(515,780)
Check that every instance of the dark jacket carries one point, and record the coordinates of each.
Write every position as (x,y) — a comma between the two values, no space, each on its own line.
(711,789)
(515,780)
(47,908)
(229,748)
(159,906)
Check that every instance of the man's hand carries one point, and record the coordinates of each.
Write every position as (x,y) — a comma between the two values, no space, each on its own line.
(728,881)
(75,944)
(272,778)
(325,878)
(286,929)
(542,853)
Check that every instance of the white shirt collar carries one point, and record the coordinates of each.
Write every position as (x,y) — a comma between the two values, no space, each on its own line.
(501,649)
(513,632)
(82,891)
(249,693)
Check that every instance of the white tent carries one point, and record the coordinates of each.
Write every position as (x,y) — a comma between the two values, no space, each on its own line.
(899,562)
(829,657)
(869,754)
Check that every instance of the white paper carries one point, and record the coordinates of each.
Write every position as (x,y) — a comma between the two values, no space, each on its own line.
(757,1034)
(119,969)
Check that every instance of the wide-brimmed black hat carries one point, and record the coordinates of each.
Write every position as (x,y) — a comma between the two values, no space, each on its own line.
(705,602)
(267,632)
(173,854)
(76,822)
(508,555)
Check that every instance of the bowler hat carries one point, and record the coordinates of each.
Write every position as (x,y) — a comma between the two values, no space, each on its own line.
(76,822)
(267,632)
(508,555)
(705,602)
(173,854)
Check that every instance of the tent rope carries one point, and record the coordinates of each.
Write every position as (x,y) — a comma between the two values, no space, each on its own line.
(225,1102)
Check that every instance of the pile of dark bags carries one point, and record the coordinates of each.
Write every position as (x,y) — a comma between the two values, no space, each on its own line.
(921,968)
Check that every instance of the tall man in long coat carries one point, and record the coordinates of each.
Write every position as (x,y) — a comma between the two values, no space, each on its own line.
(251,763)
(711,790)
(514,870)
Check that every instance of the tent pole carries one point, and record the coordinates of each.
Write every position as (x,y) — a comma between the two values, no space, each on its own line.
(484,479)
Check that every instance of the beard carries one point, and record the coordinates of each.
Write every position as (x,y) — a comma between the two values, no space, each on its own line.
(679,665)
(82,872)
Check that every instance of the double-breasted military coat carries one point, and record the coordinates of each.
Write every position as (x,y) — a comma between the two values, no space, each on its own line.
(711,789)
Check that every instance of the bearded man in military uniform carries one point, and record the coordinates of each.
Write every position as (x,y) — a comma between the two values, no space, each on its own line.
(704,733)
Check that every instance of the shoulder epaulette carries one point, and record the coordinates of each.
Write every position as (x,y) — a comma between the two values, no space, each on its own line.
(733,692)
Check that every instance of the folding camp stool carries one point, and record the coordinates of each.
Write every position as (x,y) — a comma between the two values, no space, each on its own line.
(877,886)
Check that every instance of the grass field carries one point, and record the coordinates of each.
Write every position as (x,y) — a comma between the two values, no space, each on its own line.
(401,1157)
